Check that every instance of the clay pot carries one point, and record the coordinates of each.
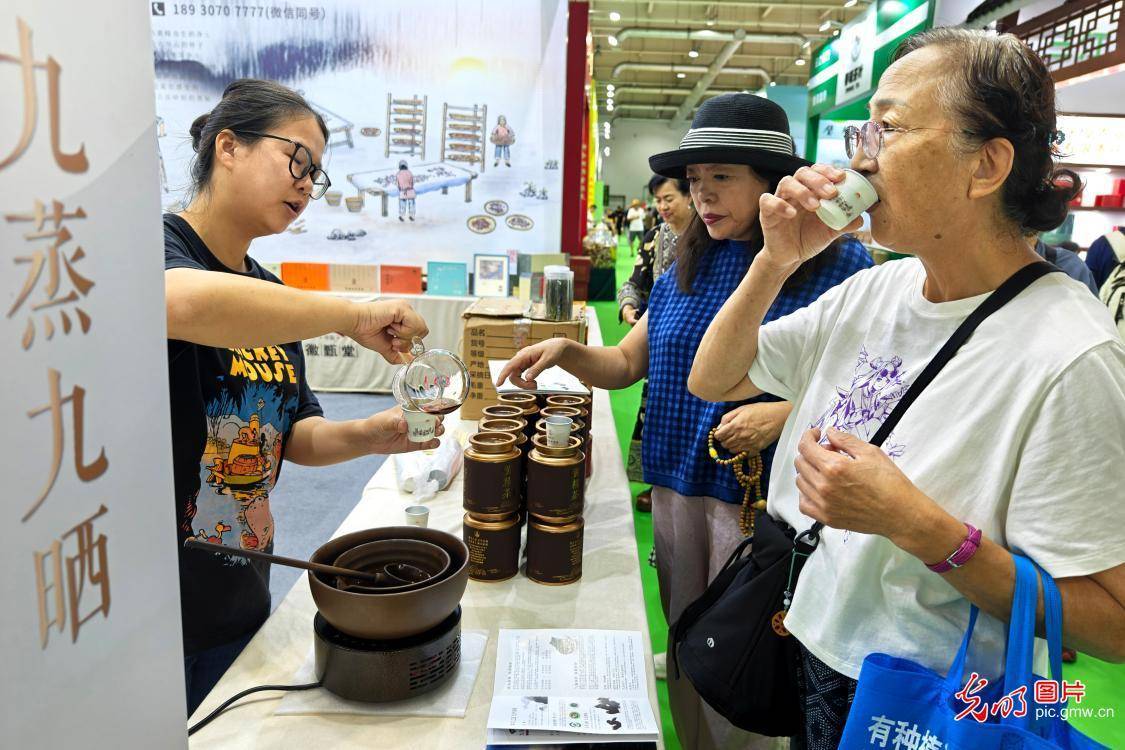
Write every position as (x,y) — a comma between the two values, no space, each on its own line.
(386,616)
(374,557)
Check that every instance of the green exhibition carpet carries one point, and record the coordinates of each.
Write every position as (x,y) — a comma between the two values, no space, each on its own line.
(1105,683)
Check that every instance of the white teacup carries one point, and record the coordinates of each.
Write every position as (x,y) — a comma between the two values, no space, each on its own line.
(420,426)
(853,196)
(558,431)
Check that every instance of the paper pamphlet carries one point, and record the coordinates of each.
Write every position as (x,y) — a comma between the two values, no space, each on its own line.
(576,682)
(551,380)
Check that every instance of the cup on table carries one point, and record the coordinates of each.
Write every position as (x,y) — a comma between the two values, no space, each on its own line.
(558,431)
(853,196)
(417,515)
(420,426)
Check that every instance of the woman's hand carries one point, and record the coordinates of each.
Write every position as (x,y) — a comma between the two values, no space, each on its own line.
(752,427)
(851,484)
(387,327)
(532,360)
(793,232)
(629,315)
(386,433)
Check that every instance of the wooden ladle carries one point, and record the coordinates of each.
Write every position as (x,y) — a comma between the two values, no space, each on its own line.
(328,570)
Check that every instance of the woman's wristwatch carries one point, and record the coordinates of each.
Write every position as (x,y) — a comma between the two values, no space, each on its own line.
(961,555)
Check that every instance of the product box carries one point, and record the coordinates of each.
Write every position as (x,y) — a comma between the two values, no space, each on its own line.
(581,265)
(346,277)
(451,279)
(1109,201)
(530,268)
(497,329)
(400,279)
(274,268)
(1119,187)
(312,276)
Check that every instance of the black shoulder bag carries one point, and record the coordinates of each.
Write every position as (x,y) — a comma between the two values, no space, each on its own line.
(731,642)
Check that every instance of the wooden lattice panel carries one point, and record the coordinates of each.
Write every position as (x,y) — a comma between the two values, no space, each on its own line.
(1077,38)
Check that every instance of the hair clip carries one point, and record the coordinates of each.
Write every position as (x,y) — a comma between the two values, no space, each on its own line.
(1057,137)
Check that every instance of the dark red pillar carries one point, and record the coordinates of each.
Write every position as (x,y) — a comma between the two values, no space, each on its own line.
(574,135)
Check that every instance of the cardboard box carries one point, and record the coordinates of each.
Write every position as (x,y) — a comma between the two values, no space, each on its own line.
(312,276)
(497,329)
(346,277)
(400,279)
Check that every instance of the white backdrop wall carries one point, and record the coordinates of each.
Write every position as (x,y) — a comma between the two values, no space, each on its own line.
(346,56)
(626,170)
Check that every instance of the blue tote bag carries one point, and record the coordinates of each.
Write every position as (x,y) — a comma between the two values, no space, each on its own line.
(901,704)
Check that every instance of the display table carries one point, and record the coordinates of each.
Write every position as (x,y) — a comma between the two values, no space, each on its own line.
(608,596)
(336,363)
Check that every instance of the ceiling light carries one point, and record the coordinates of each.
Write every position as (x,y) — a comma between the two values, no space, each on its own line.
(606,150)
(610,88)
(807,44)
(773,83)
(799,61)
(823,27)
(710,22)
(681,75)
(850,3)
(609,107)
(836,32)
(614,16)
(612,40)
(693,52)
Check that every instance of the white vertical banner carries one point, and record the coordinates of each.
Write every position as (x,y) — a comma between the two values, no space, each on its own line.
(856,49)
(89,628)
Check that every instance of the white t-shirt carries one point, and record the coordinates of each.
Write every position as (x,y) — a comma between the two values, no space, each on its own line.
(1022,435)
(636,217)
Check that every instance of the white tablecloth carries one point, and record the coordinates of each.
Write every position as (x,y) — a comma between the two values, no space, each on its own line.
(336,363)
(607,596)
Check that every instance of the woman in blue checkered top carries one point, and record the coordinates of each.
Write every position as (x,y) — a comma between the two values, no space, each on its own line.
(738,148)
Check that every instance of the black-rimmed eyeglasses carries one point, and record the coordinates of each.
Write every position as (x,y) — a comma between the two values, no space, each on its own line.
(300,163)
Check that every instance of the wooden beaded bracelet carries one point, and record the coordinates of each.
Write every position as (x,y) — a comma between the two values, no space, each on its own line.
(749,481)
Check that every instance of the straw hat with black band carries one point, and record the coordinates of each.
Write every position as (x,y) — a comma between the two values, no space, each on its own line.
(734,129)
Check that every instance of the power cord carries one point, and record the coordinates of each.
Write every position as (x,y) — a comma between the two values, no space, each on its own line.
(214,714)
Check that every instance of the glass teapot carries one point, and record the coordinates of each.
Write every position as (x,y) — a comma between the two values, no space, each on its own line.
(434,381)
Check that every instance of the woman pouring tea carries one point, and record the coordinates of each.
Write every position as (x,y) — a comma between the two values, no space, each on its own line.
(240,402)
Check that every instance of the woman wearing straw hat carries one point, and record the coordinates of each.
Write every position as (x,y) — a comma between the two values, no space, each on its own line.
(737,149)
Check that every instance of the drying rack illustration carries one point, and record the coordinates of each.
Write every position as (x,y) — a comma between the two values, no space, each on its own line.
(463,132)
(406,126)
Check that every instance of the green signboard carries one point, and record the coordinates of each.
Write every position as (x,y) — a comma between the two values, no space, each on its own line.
(846,69)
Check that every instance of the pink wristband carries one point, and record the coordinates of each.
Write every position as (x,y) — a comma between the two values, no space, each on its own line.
(961,555)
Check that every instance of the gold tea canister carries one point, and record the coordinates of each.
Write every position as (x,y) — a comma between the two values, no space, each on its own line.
(502,411)
(574,400)
(494,547)
(493,474)
(556,483)
(554,550)
(514,427)
(530,407)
